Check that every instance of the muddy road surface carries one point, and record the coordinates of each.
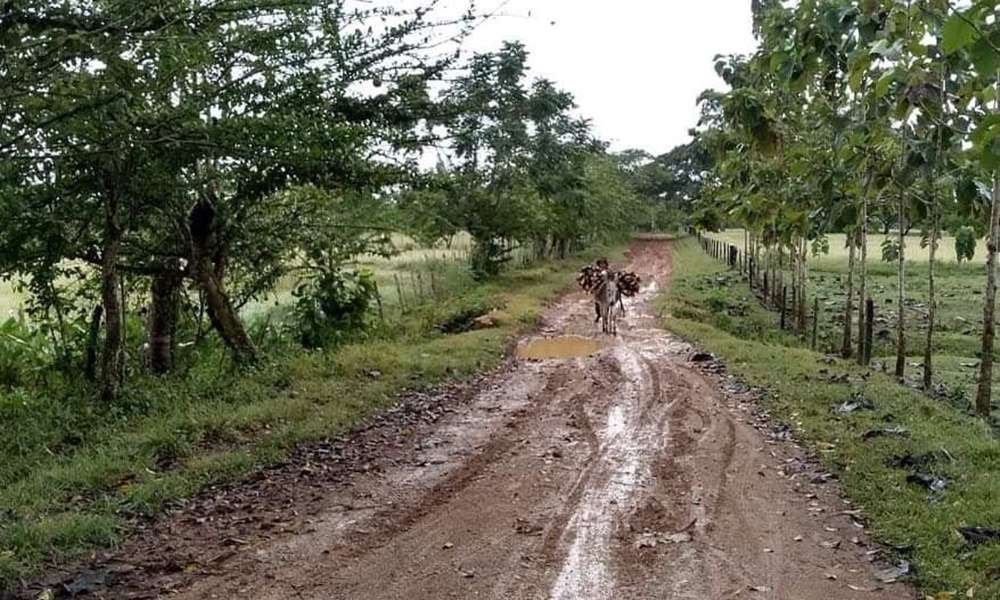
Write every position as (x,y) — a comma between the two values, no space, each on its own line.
(590,468)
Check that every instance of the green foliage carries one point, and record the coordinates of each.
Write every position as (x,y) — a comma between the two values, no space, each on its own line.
(965,243)
(525,171)
(890,250)
(668,185)
(223,132)
(820,246)
(24,353)
(333,308)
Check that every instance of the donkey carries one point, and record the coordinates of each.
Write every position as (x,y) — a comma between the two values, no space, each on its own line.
(606,296)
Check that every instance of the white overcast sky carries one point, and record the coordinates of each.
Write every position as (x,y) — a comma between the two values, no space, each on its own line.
(636,67)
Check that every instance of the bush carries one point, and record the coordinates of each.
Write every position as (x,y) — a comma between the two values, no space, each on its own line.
(965,244)
(489,257)
(26,354)
(334,308)
(890,250)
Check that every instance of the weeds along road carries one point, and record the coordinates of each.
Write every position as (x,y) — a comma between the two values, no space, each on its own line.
(635,472)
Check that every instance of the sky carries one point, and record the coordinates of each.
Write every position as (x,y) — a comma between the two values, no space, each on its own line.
(636,67)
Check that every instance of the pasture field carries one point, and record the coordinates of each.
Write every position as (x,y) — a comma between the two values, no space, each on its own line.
(959,291)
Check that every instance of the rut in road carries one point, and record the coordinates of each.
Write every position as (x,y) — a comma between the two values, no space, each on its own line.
(629,473)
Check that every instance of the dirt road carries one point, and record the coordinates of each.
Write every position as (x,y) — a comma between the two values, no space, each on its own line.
(636,472)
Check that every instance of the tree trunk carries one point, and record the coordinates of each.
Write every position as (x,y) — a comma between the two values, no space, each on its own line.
(984,393)
(541,247)
(563,246)
(863,279)
(869,329)
(901,296)
(93,337)
(845,349)
(111,357)
(803,281)
(221,312)
(746,256)
(163,306)
(931,297)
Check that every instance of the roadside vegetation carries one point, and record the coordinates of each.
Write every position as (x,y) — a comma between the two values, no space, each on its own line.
(856,119)
(849,221)
(77,473)
(221,237)
(886,451)
(958,308)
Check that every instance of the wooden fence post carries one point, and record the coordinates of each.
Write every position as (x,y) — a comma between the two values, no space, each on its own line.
(815,335)
(399,293)
(784,302)
(869,329)
(378,301)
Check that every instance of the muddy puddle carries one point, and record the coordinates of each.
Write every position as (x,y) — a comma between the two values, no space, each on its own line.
(570,346)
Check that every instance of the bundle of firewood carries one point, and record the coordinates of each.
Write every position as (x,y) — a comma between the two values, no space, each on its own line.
(589,278)
(628,284)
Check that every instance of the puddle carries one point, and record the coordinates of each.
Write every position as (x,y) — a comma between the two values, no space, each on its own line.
(570,346)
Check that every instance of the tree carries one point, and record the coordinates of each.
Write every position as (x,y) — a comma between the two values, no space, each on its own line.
(166,133)
(525,169)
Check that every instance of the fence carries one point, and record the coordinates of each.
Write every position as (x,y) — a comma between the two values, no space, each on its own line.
(770,288)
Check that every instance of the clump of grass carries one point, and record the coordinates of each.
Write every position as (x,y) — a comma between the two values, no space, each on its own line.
(802,394)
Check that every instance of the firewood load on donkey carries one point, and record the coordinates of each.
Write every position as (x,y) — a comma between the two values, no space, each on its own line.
(609,288)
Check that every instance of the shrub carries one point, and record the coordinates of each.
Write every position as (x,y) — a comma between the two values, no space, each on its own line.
(25,353)
(890,250)
(965,244)
(334,307)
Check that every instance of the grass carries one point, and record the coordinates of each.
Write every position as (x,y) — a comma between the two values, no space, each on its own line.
(74,474)
(711,306)
(957,343)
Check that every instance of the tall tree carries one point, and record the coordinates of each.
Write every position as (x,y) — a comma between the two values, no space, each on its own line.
(156,138)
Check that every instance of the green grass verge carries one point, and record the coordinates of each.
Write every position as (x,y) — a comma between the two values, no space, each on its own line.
(714,309)
(73,473)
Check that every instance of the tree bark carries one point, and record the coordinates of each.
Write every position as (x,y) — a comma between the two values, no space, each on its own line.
(93,337)
(563,248)
(163,307)
(863,279)
(221,312)
(901,296)
(931,297)
(869,329)
(984,392)
(111,357)
(803,283)
(845,349)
